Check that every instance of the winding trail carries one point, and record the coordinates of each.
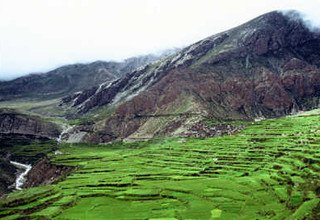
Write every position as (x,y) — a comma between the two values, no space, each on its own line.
(21,177)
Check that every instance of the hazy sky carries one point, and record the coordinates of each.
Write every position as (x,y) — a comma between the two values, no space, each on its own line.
(39,35)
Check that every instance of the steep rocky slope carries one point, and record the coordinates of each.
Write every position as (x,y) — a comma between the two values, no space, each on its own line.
(44,173)
(267,67)
(14,124)
(69,79)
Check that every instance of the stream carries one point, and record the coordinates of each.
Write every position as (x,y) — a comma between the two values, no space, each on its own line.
(71,134)
(21,177)
(65,131)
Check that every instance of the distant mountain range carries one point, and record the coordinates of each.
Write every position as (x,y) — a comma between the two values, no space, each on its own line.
(71,78)
(267,67)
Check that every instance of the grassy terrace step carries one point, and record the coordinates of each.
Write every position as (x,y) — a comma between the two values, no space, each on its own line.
(27,202)
(270,170)
(56,208)
(24,197)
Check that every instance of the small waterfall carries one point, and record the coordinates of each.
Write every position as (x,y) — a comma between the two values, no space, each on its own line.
(64,132)
(21,177)
(71,135)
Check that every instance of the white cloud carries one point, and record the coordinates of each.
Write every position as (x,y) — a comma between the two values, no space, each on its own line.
(37,35)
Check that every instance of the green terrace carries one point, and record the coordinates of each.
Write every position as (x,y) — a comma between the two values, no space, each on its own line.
(270,170)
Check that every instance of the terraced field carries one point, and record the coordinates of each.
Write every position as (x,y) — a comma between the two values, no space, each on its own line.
(270,170)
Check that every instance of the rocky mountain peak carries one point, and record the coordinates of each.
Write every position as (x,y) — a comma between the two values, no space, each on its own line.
(280,29)
(267,67)
(272,34)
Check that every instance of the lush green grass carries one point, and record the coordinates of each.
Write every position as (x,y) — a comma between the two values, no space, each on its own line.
(93,116)
(28,151)
(45,110)
(38,107)
(270,170)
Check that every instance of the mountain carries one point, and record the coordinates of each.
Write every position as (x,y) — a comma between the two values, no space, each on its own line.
(267,67)
(69,79)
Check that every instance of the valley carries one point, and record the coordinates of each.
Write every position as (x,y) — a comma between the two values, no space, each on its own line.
(225,128)
(269,170)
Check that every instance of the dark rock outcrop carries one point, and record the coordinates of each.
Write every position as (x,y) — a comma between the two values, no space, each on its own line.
(14,123)
(44,173)
(7,176)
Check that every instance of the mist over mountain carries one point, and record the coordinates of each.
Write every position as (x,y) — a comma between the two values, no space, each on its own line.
(224,128)
(72,78)
(267,67)
(311,21)
(109,30)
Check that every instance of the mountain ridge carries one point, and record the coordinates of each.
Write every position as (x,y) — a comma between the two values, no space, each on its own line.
(267,67)
(71,78)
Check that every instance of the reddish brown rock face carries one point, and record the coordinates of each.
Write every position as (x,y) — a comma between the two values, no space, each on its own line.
(269,95)
(268,67)
(304,83)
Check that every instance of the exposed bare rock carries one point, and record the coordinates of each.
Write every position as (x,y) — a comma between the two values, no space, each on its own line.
(267,67)
(74,134)
(44,173)
(14,123)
